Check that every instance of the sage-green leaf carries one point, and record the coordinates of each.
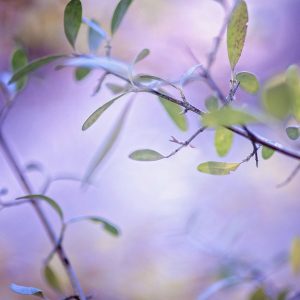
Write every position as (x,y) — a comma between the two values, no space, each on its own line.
(26,290)
(108,145)
(115,88)
(295,255)
(277,97)
(259,294)
(119,13)
(50,201)
(97,113)
(217,168)
(32,66)
(19,60)
(223,140)
(227,116)
(293,80)
(283,294)
(72,20)
(212,103)
(146,155)
(267,152)
(52,278)
(143,54)
(175,113)
(293,132)
(236,32)
(248,82)
(81,73)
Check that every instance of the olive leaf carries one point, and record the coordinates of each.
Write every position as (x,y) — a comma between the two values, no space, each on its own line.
(217,168)
(146,155)
(119,14)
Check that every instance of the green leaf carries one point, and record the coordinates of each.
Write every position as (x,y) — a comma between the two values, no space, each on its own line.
(32,66)
(95,35)
(277,97)
(266,152)
(50,201)
(146,155)
(236,32)
(175,113)
(212,103)
(282,295)
(81,73)
(248,82)
(115,88)
(97,113)
(108,145)
(119,13)
(143,54)
(52,279)
(217,168)
(19,60)
(72,20)
(27,291)
(227,116)
(295,255)
(293,80)
(223,140)
(259,294)
(293,132)
(108,226)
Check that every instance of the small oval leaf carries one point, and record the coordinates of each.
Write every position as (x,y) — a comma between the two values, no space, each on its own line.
(97,113)
(248,82)
(217,168)
(212,103)
(266,152)
(72,20)
(27,291)
(81,73)
(143,54)
(223,140)
(236,32)
(119,13)
(146,155)
(293,132)
(19,60)
(52,279)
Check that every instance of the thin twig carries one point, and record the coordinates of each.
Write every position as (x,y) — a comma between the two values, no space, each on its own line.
(291,177)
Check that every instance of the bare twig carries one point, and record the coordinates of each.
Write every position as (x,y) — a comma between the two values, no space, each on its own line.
(291,177)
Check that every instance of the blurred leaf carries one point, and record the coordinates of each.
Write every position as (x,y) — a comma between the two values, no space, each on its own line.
(217,168)
(248,82)
(32,66)
(293,132)
(95,34)
(81,73)
(295,255)
(175,113)
(119,13)
(259,294)
(223,140)
(236,32)
(107,146)
(72,20)
(266,152)
(97,113)
(27,291)
(146,155)
(143,54)
(293,80)
(282,295)
(277,97)
(19,60)
(52,279)
(212,103)
(227,116)
(115,88)
(50,201)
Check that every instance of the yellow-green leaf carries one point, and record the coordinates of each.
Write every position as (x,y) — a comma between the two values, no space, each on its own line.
(217,168)
(72,20)
(223,140)
(236,32)
(293,80)
(259,294)
(212,103)
(52,278)
(295,255)
(175,113)
(119,14)
(146,155)
(248,82)
(267,152)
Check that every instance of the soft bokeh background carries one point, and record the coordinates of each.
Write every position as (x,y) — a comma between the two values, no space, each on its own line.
(181,230)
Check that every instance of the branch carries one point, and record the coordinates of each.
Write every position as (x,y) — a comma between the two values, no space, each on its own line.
(291,177)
